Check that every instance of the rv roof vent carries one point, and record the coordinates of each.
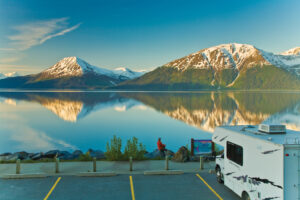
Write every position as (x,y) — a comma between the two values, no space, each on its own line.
(272,129)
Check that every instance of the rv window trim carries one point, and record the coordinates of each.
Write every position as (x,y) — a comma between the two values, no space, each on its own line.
(234,158)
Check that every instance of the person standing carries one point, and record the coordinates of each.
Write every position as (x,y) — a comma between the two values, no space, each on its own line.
(161,147)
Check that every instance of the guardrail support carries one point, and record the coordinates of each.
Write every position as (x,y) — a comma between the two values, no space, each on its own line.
(130,163)
(167,162)
(18,166)
(56,165)
(201,163)
(94,165)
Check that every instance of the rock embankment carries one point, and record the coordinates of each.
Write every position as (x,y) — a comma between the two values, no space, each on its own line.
(182,155)
(66,155)
(63,155)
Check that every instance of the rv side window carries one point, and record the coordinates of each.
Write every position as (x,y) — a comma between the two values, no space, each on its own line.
(235,153)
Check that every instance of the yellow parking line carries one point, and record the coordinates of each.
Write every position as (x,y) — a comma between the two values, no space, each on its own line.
(49,193)
(132,189)
(209,187)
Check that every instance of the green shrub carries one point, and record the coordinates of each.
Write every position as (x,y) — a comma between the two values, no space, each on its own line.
(189,150)
(135,149)
(85,157)
(113,149)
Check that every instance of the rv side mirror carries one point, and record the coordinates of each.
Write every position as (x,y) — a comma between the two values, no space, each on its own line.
(222,156)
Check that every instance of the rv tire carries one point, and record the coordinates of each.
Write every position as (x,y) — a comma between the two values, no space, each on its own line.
(245,196)
(219,174)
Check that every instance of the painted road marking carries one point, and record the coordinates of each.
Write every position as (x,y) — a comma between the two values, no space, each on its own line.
(131,187)
(209,186)
(49,193)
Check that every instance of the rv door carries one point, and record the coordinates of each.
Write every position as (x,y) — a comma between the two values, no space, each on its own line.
(233,177)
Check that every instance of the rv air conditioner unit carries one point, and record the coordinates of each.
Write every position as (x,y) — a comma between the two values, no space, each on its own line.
(272,129)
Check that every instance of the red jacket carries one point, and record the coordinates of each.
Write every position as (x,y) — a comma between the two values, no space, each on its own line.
(160,145)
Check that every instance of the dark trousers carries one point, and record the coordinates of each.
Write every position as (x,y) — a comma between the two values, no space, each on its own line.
(162,153)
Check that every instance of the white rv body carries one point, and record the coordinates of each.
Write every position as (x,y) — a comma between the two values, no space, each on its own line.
(267,166)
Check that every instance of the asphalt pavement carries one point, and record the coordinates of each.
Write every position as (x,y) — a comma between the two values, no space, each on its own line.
(187,186)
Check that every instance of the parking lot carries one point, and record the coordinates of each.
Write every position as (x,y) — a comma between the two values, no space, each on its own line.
(131,187)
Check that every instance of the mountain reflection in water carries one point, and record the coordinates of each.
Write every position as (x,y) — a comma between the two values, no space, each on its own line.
(41,121)
(202,110)
(208,110)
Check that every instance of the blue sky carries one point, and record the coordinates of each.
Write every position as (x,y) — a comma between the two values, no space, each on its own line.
(137,34)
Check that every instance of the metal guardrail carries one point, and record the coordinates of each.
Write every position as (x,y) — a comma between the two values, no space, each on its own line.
(94,165)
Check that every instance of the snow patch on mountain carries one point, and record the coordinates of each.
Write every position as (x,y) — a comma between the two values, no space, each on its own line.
(121,71)
(220,57)
(10,74)
(293,51)
(289,60)
(238,56)
(74,66)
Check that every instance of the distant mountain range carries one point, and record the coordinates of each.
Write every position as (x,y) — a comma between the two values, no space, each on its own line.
(10,74)
(71,73)
(227,66)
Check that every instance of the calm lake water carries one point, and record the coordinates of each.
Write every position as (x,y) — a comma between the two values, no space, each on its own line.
(42,121)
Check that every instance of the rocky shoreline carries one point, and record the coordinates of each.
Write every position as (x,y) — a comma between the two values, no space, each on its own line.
(182,155)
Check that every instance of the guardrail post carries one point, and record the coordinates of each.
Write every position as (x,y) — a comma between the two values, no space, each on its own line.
(167,162)
(18,166)
(201,163)
(130,163)
(94,165)
(56,165)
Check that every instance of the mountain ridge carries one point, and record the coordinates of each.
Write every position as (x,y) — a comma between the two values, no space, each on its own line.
(225,66)
(9,74)
(220,67)
(71,73)
(74,66)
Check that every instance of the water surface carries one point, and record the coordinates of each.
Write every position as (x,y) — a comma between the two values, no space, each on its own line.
(41,121)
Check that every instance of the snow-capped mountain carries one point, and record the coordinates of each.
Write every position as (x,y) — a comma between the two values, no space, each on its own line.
(224,56)
(293,51)
(74,66)
(239,66)
(235,66)
(236,56)
(10,74)
(121,71)
(289,60)
(72,73)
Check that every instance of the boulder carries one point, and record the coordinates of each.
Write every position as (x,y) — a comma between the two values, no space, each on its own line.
(4,158)
(65,155)
(22,155)
(98,154)
(156,154)
(18,155)
(76,154)
(5,154)
(169,153)
(182,155)
(37,156)
(12,157)
(195,158)
(30,155)
(52,154)
(153,154)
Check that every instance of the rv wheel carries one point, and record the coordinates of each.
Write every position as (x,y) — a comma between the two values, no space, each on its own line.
(245,196)
(219,175)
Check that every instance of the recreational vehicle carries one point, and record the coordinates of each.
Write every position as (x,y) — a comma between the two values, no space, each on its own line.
(259,162)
